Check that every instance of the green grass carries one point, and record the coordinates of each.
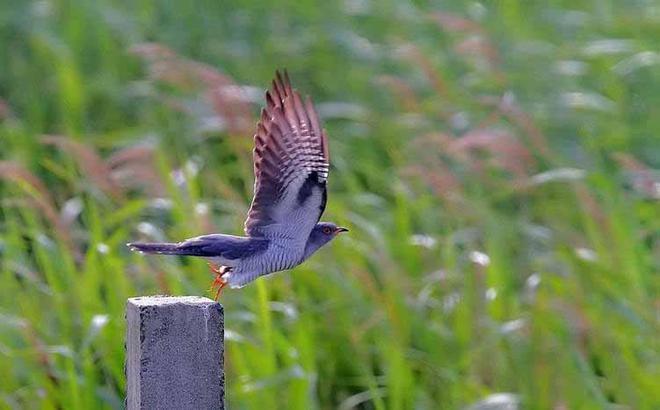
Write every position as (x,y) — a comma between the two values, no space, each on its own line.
(494,162)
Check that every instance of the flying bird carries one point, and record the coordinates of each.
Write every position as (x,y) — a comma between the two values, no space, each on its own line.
(282,228)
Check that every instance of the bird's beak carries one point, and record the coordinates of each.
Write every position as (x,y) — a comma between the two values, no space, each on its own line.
(340,230)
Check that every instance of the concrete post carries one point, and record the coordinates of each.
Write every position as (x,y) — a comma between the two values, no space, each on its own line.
(174,353)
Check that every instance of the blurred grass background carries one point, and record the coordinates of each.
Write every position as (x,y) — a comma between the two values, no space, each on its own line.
(497,163)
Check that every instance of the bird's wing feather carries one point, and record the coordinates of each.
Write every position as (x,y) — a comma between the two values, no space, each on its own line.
(290,165)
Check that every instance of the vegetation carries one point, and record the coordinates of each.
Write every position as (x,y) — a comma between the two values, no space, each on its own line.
(494,161)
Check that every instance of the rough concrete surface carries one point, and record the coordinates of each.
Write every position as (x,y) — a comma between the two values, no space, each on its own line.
(174,353)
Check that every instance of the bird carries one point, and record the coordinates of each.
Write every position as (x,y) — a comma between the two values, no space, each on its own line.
(283,228)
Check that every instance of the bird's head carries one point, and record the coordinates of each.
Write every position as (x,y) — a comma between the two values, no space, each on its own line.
(322,233)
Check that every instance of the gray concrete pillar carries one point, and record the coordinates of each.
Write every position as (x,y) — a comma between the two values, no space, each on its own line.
(174,353)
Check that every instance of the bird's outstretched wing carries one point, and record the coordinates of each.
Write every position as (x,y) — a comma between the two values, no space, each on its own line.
(290,166)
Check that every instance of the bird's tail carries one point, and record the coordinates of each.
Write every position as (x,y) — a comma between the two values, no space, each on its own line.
(164,248)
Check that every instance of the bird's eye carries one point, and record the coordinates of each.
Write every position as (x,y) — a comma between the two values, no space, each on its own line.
(327,230)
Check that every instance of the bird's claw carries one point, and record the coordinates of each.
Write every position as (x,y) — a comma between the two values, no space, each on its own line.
(215,269)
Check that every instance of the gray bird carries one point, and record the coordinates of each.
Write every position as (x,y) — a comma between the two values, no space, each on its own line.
(282,229)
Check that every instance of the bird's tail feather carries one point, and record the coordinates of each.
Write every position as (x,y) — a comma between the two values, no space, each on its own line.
(164,248)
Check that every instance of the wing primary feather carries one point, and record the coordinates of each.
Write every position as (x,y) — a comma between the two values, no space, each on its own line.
(290,152)
(326,151)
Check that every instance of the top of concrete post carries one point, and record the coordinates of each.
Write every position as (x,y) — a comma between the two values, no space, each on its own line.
(160,300)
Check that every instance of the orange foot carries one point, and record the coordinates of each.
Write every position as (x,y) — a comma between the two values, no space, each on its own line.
(218,283)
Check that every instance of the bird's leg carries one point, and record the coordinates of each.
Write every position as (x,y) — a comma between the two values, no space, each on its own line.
(218,283)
